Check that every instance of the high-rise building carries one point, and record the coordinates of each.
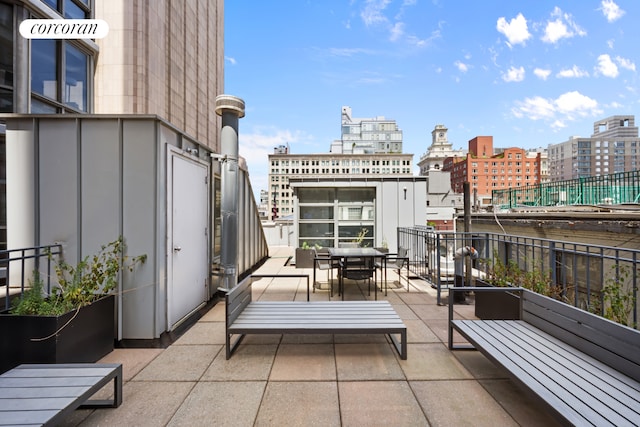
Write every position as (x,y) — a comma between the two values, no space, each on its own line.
(367,136)
(613,147)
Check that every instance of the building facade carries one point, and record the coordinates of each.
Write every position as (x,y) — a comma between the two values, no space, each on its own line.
(613,147)
(284,167)
(438,151)
(367,135)
(486,171)
(332,211)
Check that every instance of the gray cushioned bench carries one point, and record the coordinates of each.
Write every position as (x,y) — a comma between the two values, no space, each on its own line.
(584,368)
(47,394)
(244,316)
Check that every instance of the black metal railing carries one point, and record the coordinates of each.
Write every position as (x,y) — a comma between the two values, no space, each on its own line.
(597,278)
(17,267)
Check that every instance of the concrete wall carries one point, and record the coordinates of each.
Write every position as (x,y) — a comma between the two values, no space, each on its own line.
(615,229)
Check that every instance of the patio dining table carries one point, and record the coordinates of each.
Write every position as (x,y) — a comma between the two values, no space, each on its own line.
(364,257)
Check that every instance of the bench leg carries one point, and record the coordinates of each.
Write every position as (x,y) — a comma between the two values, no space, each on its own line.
(231,346)
(401,346)
(117,395)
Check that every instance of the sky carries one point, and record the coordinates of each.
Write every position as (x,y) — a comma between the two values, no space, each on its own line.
(528,73)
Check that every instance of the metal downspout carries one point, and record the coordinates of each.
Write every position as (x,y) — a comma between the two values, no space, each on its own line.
(231,109)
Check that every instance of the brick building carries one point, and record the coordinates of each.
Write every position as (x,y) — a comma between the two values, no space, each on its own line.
(488,170)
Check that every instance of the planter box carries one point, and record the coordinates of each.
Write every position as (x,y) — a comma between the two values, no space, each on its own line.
(304,258)
(496,305)
(88,337)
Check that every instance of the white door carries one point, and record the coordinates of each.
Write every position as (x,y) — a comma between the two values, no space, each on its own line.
(187,238)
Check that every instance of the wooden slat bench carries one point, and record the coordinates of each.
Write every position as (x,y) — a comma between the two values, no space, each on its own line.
(47,394)
(584,368)
(244,316)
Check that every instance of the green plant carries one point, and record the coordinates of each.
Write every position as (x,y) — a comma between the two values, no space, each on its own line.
(78,285)
(360,237)
(618,302)
(510,274)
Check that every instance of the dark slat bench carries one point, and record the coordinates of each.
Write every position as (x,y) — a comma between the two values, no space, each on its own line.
(584,368)
(244,316)
(47,394)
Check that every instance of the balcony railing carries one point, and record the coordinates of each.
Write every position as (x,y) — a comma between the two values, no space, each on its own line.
(596,278)
(17,267)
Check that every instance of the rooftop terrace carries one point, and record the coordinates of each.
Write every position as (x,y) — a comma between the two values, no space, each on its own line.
(316,379)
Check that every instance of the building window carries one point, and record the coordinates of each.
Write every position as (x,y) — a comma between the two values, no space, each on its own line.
(44,67)
(76,72)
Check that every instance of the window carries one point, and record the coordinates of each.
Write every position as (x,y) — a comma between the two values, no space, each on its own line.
(44,67)
(75,81)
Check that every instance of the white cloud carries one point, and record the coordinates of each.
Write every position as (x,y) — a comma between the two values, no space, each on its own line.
(461,66)
(397,31)
(626,63)
(610,43)
(515,30)
(561,27)
(542,73)
(514,74)
(230,60)
(572,104)
(535,108)
(567,107)
(573,72)
(607,67)
(372,12)
(611,11)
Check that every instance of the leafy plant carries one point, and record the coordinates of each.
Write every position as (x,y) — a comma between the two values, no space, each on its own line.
(510,274)
(360,237)
(78,285)
(617,301)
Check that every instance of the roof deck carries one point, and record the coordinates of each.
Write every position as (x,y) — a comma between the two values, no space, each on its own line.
(317,379)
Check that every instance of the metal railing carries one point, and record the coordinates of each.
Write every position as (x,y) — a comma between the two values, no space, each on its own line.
(17,267)
(601,279)
(617,188)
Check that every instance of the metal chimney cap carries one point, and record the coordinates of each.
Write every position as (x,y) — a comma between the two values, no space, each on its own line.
(229,102)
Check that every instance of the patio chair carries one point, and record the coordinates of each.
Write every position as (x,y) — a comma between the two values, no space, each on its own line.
(323,261)
(397,262)
(358,269)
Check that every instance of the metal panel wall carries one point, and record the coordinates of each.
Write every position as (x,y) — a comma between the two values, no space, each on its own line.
(139,216)
(99,184)
(59,185)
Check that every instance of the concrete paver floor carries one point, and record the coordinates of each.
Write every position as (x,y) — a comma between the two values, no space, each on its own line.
(300,380)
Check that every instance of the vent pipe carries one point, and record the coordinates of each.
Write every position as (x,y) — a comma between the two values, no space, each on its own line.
(231,109)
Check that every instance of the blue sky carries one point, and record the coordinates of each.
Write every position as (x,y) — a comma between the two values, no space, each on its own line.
(529,73)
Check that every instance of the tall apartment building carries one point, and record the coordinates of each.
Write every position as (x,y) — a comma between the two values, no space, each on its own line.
(367,136)
(613,147)
(487,171)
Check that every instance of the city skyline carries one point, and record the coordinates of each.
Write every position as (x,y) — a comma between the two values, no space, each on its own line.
(529,74)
